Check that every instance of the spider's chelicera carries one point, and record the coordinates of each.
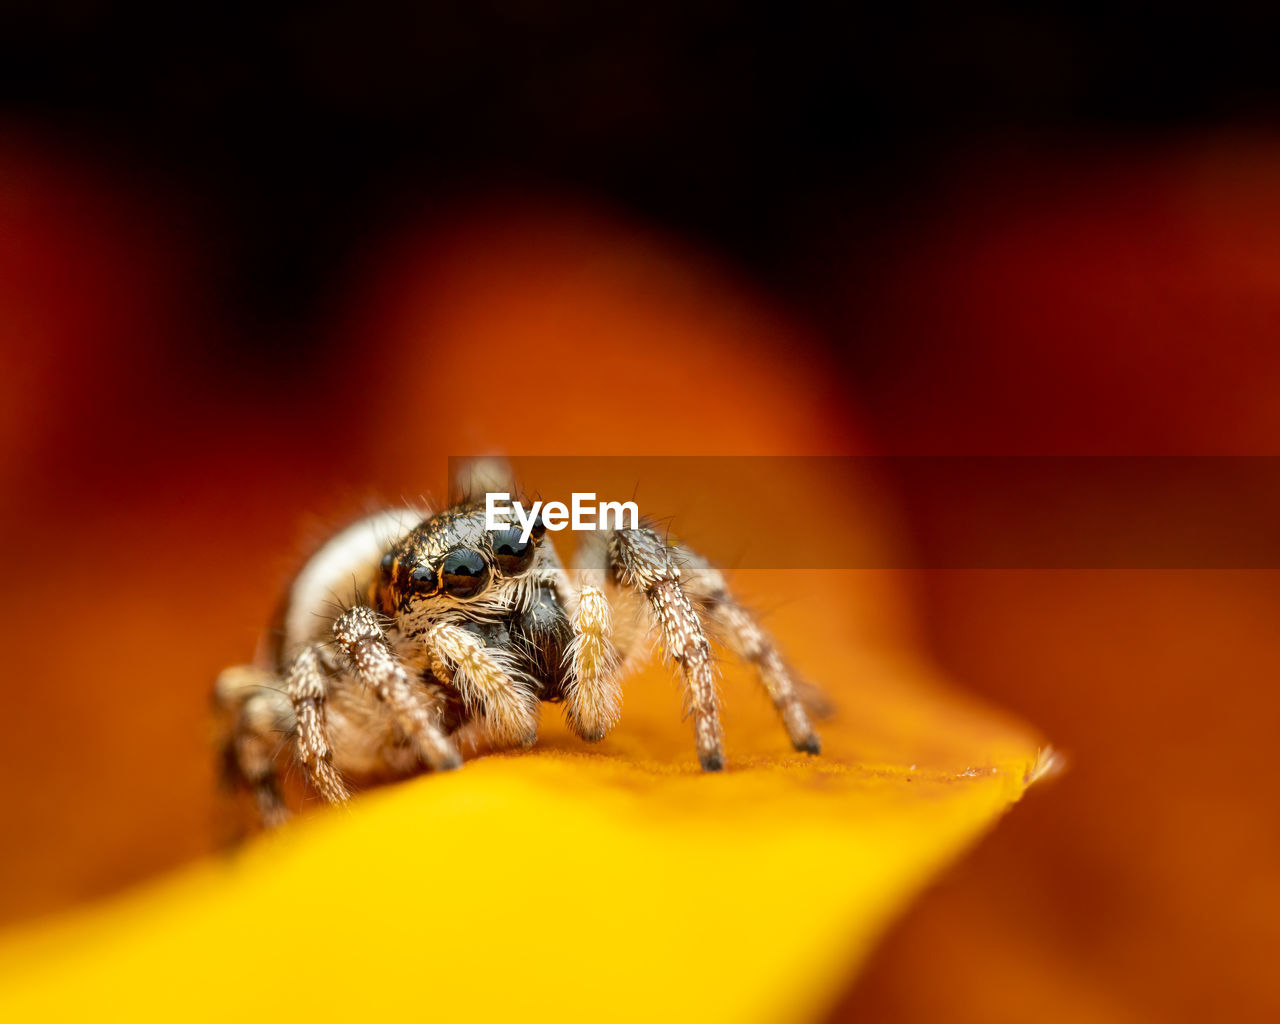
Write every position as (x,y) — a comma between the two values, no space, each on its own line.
(456,635)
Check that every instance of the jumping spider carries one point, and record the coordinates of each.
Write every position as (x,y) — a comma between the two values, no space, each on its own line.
(460,632)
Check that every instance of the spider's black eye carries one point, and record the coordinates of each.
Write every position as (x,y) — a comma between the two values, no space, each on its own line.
(539,528)
(388,560)
(422,578)
(514,554)
(464,573)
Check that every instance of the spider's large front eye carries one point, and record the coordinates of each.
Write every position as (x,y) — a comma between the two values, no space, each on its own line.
(464,573)
(514,554)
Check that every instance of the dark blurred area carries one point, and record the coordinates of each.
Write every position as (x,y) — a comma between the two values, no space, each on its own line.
(783,136)
(1001,232)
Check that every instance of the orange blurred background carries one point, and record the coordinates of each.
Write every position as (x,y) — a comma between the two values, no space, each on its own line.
(189,397)
(1101,303)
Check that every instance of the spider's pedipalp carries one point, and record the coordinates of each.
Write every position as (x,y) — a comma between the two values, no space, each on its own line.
(508,706)
(642,561)
(360,636)
(593,692)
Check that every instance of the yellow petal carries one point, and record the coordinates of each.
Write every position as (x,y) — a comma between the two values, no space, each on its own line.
(571,882)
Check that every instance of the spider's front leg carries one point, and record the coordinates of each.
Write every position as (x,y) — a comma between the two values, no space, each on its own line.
(306,686)
(362,639)
(260,717)
(641,560)
(744,636)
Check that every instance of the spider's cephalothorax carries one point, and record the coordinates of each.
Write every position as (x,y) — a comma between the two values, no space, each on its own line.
(408,631)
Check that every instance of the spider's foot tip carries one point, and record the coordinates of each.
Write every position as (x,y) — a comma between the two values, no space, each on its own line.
(809,745)
(711,762)
(451,764)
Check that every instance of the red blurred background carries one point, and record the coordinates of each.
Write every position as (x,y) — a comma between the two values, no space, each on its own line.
(223,239)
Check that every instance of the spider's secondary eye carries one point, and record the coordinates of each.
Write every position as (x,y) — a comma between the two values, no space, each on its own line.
(388,560)
(464,573)
(514,554)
